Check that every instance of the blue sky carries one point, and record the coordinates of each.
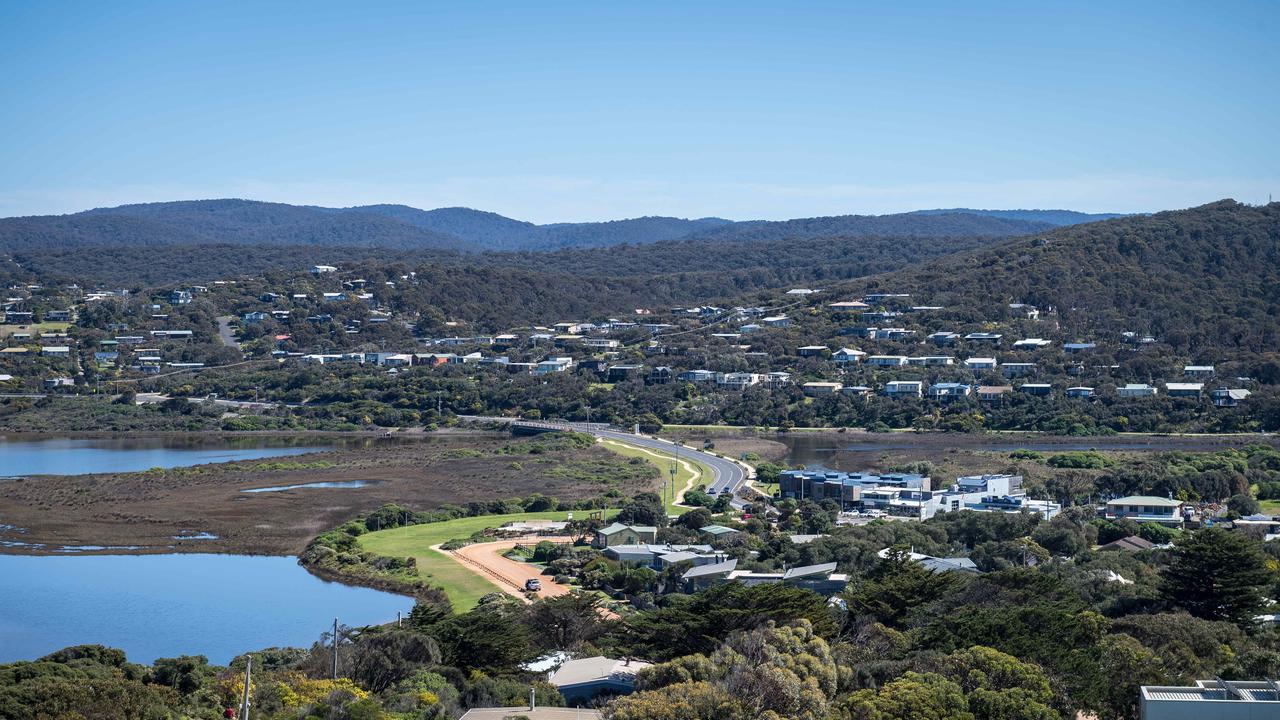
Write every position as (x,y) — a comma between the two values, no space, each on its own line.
(566,111)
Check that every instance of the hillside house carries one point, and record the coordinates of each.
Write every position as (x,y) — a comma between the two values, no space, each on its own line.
(1012,370)
(1228,397)
(856,391)
(813,351)
(1198,371)
(949,391)
(323,269)
(1028,311)
(984,338)
(582,681)
(904,388)
(1079,391)
(1145,508)
(886,360)
(822,579)
(1076,347)
(623,373)
(777,379)
(822,389)
(882,298)
(660,375)
(776,321)
(942,339)
(1133,543)
(1036,389)
(848,306)
(737,381)
(1184,390)
(1031,344)
(553,365)
(931,360)
(697,376)
(846,356)
(1136,390)
(619,534)
(980,363)
(701,577)
(715,532)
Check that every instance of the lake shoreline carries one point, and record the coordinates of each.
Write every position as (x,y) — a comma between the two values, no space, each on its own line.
(159,511)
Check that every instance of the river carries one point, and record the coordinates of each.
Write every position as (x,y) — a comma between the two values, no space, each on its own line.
(154,606)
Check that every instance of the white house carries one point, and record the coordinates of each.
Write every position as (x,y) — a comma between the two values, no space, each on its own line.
(886,360)
(845,356)
(1145,508)
(904,388)
(1133,390)
(1184,390)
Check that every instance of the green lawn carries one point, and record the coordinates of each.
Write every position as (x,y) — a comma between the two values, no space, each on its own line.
(1269,507)
(35,329)
(463,586)
(685,478)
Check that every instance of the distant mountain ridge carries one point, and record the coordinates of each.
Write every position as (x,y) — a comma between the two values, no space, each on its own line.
(400,227)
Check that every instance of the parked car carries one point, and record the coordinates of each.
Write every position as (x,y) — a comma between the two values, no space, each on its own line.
(532,585)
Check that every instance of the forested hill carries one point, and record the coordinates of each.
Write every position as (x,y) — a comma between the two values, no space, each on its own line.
(495,232)
(686,271)
(1198,278)
(1059,218)
(399,227)
(902,225)
(239,222)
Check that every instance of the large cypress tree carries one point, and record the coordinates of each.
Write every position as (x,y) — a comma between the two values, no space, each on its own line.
(1217,575)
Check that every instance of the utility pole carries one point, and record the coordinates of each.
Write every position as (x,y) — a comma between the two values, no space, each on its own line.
(335,648)
(672,469)
(248,679)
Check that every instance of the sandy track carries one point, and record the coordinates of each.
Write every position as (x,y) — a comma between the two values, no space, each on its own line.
(508,574)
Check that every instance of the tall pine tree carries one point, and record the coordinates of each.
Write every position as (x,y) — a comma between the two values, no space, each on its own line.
(1217,575)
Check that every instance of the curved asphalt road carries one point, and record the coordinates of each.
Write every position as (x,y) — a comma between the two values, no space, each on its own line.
(726,475)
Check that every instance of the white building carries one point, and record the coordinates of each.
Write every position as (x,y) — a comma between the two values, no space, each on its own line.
(1133,390)
(1211,700)
(904,388)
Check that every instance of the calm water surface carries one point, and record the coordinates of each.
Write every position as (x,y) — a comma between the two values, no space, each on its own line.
(66,456)
(166,605)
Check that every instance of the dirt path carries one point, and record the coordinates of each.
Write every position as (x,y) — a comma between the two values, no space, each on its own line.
(509,575)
